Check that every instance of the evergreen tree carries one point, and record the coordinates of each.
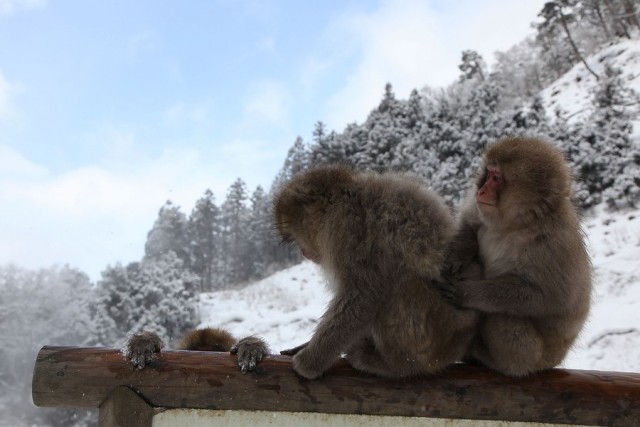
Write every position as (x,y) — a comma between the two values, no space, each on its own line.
(385,128)
(165,301)
(559,13)
(204,232)
(261,237)
(611,130)
(115,304)
(49,306)
(157,295)
(297,161)
(169,233)
(472,66)
(234,232)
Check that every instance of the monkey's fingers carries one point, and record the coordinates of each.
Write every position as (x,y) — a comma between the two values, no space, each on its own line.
(142,348)
(250,351)
(448,292)
(293,351)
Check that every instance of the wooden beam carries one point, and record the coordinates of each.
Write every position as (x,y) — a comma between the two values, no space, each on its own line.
(124,408)
(85,377)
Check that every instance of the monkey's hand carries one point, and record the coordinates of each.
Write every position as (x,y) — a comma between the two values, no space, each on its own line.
(250,351)
(450,292)
(305,365)
(142,348)
(293,351)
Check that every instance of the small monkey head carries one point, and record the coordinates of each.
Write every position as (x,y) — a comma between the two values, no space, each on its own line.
(523,179)
(301,206)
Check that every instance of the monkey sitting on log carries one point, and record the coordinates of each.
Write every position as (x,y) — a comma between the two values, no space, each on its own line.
(521,228)
(143,347)
(379,238)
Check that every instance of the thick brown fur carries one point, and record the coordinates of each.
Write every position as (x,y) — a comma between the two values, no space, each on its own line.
(522,263)
(379,238)
(142,348)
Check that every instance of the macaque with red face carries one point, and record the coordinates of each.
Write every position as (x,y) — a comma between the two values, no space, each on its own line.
(520,260)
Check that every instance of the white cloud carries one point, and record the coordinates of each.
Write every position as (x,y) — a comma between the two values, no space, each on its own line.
(99,214)
(141,44)
(5,92)
(267,44)
(9,7)
(411,43)
(15,164)
(268,103)
(186,113)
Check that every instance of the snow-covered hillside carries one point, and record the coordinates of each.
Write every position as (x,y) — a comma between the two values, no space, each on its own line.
(285,307)
(572,93)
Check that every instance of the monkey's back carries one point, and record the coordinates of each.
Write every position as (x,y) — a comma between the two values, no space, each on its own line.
(396,235)
(392,220)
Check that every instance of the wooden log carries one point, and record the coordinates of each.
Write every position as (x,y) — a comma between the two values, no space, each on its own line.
(84,377)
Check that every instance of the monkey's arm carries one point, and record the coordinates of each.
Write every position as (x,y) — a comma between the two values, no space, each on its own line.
(462,251)
(250,351)
(507,294)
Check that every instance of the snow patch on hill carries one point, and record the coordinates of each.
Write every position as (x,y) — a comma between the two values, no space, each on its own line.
(572,93)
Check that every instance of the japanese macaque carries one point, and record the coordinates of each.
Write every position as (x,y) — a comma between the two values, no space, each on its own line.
(519,259)
(143,347)
(379,238)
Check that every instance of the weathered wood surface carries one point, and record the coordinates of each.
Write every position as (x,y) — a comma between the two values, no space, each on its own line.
(84,377)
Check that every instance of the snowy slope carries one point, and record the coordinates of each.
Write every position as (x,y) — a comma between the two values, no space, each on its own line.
(285,307)
(611,339)
(572,93)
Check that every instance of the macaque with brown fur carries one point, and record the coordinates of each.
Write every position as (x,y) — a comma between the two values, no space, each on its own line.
(521,227)
(143,347)
(379,238)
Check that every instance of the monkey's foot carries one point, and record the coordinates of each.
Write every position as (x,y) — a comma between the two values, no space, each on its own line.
(303,365)
(250,351)
(142,348)
(295,350)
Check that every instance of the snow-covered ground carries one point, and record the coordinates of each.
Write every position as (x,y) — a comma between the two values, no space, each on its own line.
(572,93)
(284,308)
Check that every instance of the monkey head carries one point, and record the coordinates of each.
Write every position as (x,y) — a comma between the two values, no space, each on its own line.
(522,179)
(301,207)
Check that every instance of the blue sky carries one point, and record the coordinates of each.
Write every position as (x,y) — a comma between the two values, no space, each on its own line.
(109,108)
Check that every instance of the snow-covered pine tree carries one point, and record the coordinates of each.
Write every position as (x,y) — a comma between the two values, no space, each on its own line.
(261,237)
(610,128)
(115,303)
(49,306)
(169,233)
(166,299)
(234,232)
(385,128)
(204,238)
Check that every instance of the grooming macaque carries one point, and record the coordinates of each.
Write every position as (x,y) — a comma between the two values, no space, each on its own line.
(519,259)
(143,347)
(379,238)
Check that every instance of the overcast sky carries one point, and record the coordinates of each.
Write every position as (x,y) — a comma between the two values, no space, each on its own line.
(109,108)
